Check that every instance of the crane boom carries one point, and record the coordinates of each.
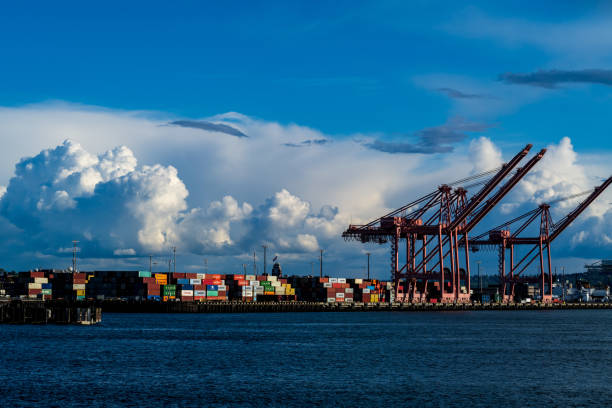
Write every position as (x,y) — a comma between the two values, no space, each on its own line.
(558,229)
(505,189)
(486,190)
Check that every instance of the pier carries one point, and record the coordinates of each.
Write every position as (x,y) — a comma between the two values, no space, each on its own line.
(22,311)
(281,307)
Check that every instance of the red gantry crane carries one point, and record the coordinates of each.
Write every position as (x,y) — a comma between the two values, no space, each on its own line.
(505,240)
(431,227)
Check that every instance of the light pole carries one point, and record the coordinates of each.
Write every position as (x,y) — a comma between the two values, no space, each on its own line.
(563,274)
(74,252)
(174,256)
(265,247)
(321,264)
(479,281)
(368,254)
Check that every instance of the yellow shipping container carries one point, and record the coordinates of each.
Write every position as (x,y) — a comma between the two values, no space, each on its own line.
(80,292)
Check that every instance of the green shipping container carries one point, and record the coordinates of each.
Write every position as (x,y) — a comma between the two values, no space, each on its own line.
(212,293)
(144,274)
(46,292)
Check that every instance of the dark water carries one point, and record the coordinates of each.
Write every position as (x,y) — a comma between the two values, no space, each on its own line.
(528,358)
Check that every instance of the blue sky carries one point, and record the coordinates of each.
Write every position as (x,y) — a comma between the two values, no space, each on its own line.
(409,81)
(342,67)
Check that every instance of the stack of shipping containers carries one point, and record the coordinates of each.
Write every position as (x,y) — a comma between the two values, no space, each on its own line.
(199,287)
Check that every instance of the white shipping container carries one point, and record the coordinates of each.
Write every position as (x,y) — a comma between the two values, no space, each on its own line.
(35,285)
(341,280)
(333,280)
(331,299)
(348,290)
(259,289)
(195,281)
(366,290)
(271,278)
(348,300)
(186,292)
(77,286)
(199,293)
(358,281)
(254,283)
(340,295)
(327,285)
(276,284)
(201,276)
(222,287)
(41,280)
(250,277)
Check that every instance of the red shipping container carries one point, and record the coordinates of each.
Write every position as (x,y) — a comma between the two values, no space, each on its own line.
(323,280)
(187,298)
(261,278)
(178,275)
(243,283)
(238,277)
(37,274)
(366,298)
(78,275)
(199,287)
(337,285)
(212,276)
(198,298)
(34,291)
(191,276)
(211,282)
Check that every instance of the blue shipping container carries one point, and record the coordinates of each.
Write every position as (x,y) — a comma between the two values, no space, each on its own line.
(212,287)
(153,297)
(184,287)
(47,286)
(182,281)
